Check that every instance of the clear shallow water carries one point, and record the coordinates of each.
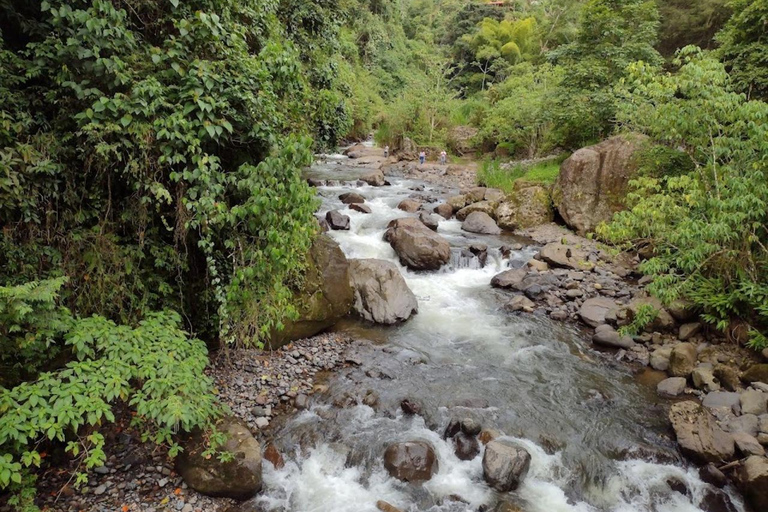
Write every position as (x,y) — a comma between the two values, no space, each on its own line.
(592,431)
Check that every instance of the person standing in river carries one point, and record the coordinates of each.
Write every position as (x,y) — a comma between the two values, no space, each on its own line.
(422,157)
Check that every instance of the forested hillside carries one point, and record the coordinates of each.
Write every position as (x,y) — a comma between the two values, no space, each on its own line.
(152,204)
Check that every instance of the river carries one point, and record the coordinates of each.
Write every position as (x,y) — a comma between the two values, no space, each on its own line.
(599,441)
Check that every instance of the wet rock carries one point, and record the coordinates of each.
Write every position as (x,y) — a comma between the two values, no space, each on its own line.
(374,179)
(470,427)
(488,435)
(678,485)
(660,358)
(704,379)
(505,465)
(324,227)
(754,402)
(529,205)
(688,331)
(560,255)
(429,220)
(747,444)
(698,434)
(480,222)
(509,279)
(466,447)
(754,481)
(337,220)
(593,182)
(444,210)
(485,207)
(239,478)
(593,311)
(453,428)
(362,208)
(301,401)
(409,205)
(713,476)
(607,336)
(386,507)
(315,183)
(756,373)
(418,247)
(716,501)
(381,294)
(410,406)
(670,387)
(412,461)
(371,399)
(351,198)
(274,456)
(682,361)
(520,303)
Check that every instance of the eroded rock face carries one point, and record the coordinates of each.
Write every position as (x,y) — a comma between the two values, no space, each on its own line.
(238,479)
(326,296)
(417,246)
(529,205)
(380,292)
(593,182)
(698,434)
(412,461)
(505,465)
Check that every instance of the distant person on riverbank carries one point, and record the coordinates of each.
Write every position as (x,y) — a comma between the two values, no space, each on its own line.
(386,151)
(443,157)
(422,157)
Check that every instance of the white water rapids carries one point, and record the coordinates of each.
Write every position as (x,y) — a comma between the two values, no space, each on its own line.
(590,428)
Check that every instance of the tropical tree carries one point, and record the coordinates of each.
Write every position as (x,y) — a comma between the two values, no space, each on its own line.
(744,47)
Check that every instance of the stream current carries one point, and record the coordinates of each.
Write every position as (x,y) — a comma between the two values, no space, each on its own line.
(599,441)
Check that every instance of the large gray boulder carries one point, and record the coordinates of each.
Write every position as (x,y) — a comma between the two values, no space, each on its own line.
(412,461)
(699,435)
(487,207)
(529,205)
(417,246)
(561,255)
(505,465)
(381,294)
(325,296)
(480,222)
(238,479)
(593,311)
(592,184)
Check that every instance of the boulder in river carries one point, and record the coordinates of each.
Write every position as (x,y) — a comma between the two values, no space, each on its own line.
(362,208)
(444,210)
(351,198)
(409,205)
(480,222)
(592,183)
(325,296)
(238,479)
(466,447)
(754,481)
(411,461)
(607,336)
(505,465)
(429,220)
(509,279)
(374,179)
(699,435)
(529,205)
(337,220)
(417,246)
(380,292)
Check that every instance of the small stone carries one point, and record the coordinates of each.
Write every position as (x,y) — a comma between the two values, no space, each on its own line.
(301,401)
(754,402)
(262,422)
(100,490)
(470,427)
(410,406)
(688,331)
(101,470)
(162,482)
(747,444)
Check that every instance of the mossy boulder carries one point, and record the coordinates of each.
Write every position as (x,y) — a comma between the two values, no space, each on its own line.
(592,184)
(529,205)
(326,296)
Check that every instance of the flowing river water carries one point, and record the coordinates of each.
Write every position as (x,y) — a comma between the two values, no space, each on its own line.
(599,441)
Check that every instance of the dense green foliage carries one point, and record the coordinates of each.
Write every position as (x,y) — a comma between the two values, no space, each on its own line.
(706,227)
(492,174)
(744,47)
